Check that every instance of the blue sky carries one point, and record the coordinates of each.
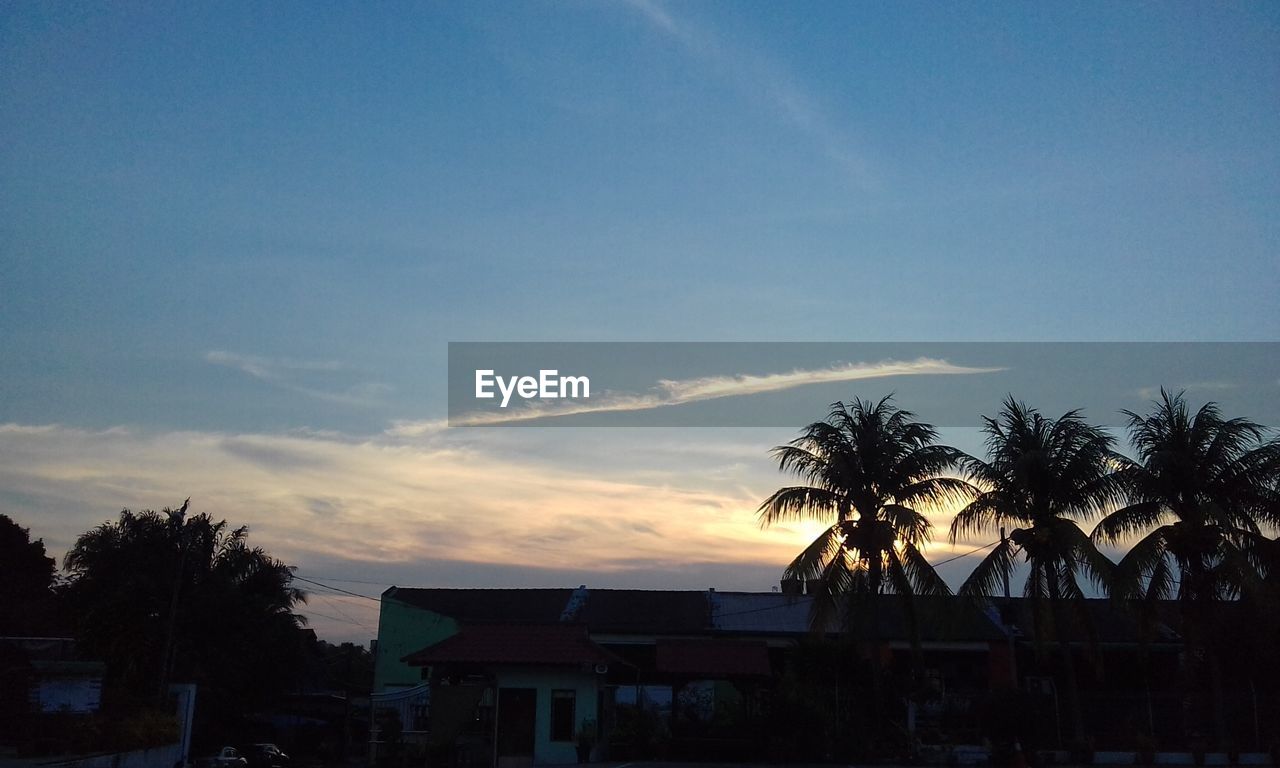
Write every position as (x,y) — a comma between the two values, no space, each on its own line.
(264,222)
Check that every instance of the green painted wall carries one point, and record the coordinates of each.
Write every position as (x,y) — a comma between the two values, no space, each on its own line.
(545,680)
(403,629)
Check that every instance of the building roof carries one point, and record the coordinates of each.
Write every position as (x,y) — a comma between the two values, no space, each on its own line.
(713,659)
(1105,621)
(607,611)
(487,605)
(938,619)
(760,612)
(533,644)
(697,612)
(635,611)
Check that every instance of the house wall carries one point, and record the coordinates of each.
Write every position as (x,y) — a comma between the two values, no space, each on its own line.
(545,680)
(403,629)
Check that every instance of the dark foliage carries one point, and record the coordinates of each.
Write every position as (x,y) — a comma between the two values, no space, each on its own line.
(26,582)
(192,586)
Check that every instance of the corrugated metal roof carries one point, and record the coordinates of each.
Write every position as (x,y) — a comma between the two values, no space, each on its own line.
(760,612)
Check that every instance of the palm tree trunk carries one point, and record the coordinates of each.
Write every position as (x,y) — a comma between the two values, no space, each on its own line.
(1203,655)
(875,576)
(1062,629)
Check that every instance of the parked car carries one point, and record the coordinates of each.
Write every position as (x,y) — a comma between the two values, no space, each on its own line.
(229,757)
(266,756)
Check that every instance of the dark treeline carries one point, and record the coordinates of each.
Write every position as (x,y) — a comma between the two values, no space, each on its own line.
(162,597)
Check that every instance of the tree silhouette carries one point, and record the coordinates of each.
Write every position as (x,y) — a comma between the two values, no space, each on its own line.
(165,597)
(870,468)
(1040,477)
(1197,493)
(26,581)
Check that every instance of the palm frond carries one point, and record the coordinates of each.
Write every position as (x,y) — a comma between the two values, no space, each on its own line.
(813,560)
(921,576)
(1129,521)
(801,502)
(988,576)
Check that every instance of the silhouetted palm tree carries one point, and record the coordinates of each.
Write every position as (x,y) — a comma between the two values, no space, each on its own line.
(870,468)
(1196,495)
(1040,478)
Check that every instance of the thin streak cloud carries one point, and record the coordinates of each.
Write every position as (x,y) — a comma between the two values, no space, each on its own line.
(267,368)
(764,79)
(284,372)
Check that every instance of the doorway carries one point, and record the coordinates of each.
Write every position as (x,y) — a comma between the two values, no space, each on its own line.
(517,712)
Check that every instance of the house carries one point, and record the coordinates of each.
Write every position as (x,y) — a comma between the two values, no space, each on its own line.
(510,677)
(518,676)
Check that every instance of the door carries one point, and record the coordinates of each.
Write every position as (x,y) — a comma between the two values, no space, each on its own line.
(517,710)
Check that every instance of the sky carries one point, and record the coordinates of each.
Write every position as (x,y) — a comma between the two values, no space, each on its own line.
(236,240)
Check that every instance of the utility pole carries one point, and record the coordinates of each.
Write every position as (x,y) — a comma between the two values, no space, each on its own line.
(178,517)
(1008,618)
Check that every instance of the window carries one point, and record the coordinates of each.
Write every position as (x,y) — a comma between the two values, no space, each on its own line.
(562,715)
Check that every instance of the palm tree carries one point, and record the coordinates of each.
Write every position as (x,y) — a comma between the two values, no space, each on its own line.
(1042,476)
(1197,492)
(872,469)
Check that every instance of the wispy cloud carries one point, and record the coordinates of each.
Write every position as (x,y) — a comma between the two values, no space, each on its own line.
(763,79)
(670,392)
(286,373)
(268,368)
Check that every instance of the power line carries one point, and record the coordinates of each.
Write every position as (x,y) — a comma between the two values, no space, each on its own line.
(335,589)
(354,581)
(333,601)
(310,612)
(965,554)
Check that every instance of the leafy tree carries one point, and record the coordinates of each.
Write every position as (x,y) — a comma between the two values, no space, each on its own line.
(1041,477)
(872,470)
(1199,489)
(346,667)
(26,581)
(165,597)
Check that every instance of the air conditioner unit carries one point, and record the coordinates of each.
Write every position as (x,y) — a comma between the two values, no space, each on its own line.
(602,668)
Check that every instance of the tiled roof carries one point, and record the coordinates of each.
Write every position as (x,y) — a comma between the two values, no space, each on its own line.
(713,659)
(535,644)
